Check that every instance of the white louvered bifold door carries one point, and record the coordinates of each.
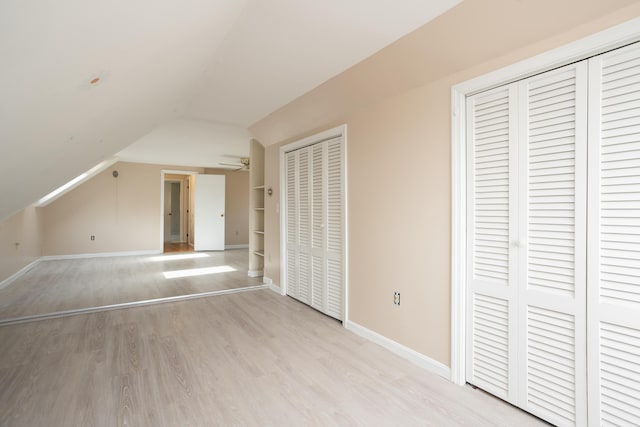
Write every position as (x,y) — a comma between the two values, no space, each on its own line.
(614,238)
(552,116)
(318,267)
(491,232)
(304,224)
(291,163)
(315,225)
(335,228)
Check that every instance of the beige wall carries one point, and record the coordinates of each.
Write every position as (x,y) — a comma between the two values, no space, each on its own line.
(25,229)
(236,206)
(122,213)
(396,105)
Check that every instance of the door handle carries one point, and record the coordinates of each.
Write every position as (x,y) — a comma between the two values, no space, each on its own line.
(221,214)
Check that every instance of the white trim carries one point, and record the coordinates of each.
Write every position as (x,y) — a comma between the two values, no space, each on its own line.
(254,273)
(273,286)
(611,38)
(277,289)
(243,246)
(405,352)
(336,132)
(345,228)
(19,273)
(53,315)
(100,255)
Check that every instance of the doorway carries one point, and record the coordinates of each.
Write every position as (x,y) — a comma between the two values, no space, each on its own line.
(173,207)
(177,230)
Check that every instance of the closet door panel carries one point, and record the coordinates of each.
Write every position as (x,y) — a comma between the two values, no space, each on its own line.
(552,270)
(334,226)
(304,224)
(491,322)
(319,300)
(614,227)
(292,224)
(315,225)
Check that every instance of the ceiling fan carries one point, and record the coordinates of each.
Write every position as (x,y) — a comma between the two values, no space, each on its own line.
(242,165)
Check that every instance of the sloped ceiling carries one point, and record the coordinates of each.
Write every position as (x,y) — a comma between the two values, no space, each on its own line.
(80,80)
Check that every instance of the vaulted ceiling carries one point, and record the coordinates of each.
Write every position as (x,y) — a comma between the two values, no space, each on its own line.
(81,80)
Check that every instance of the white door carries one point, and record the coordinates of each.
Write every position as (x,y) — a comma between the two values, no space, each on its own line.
(209,212)
(552,174)
(526,339)
(314,179)
(614,238)
(492,233)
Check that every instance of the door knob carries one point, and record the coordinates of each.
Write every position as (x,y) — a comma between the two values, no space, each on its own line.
(221,214)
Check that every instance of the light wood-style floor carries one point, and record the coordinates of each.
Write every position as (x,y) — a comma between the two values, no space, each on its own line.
(246,359)
(60,285)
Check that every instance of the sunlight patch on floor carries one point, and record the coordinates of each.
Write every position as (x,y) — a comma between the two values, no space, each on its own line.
(178,257)
(198,271)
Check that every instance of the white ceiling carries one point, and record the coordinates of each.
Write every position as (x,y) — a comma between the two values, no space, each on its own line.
(187,142)
(280,49)
(160,62)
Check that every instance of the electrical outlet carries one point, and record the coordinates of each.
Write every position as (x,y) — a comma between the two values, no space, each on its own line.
(396,298)
(93,237)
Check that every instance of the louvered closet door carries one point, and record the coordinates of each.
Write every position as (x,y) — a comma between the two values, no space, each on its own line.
(318,264)
(527,241)
(291,163)
(315,229)
(335,228)
(303,202)
(491,231)
(551,310)
(614,244)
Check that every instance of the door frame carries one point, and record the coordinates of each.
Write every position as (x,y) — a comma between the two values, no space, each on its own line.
(164,172)
(611,38)
(339,131)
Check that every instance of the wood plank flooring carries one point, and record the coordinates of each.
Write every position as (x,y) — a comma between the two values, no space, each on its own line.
(177,247)
(61,285)
(245,359)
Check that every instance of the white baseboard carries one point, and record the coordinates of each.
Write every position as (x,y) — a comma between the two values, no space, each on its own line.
(254,273)
(101,255)
(19,273)
(277,289)
(243,246)
(273,286)
(413,356)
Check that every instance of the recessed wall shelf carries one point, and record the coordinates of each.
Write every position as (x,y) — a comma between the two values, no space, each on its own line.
(256,182)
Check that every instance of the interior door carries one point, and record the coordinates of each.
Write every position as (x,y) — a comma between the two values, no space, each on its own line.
(314,224)
(614,238)
(526,339)
(492,236)
(552,175)
(209,212)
